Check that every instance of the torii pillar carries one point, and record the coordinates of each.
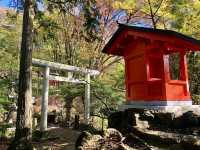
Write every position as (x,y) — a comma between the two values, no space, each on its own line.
(44,101)
(87,99)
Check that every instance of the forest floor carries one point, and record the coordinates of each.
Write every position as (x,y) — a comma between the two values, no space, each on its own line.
(59,139)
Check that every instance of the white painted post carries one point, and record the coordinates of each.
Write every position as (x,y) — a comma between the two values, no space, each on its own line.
(44,101)
(87,98)
(70,75)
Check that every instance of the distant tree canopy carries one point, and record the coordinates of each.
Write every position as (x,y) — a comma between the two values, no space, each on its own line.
(74,32)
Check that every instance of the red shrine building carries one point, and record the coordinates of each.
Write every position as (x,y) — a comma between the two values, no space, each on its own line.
(146,53)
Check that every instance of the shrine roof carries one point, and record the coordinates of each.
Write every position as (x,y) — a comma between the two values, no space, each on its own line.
(169,36)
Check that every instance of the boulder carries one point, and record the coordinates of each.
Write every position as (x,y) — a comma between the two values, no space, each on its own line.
(110,140)
(187,120)
(115,119)
(147,115)
(164,118)
(190,119)
(88,141)
(122,121)
(80,140)
(113,134)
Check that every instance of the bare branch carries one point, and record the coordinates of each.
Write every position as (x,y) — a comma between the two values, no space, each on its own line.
(152,14)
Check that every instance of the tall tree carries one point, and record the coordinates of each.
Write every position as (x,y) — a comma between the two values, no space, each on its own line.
(22,140)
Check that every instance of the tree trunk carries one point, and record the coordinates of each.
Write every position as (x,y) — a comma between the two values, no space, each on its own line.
(23,132)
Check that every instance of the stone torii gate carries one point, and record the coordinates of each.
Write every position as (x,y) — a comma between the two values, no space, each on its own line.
(47,65)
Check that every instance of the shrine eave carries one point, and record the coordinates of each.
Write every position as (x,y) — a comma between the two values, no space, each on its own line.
(169,36)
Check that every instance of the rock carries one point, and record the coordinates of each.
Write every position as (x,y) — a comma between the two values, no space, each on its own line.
(176,147)
(135,142)
(113,135)
(122,121)
(115,119)
(113,139)
(88,141)
(110,140)
(141,123)
(128,120)
(164,118)
(147,115)
(125,147)
(187,120)
(95,142)
(82,137)
(190,119)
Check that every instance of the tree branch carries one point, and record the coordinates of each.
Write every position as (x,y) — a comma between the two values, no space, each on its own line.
(152,14)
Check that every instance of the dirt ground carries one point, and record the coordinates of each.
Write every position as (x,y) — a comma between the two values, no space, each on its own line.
(61,139)
(64,139)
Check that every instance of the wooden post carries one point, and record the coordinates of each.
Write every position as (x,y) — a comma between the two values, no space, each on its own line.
(44,102)
(76,121)
(184,72)
(87,98)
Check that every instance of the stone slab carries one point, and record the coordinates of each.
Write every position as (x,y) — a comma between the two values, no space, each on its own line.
(177,110)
